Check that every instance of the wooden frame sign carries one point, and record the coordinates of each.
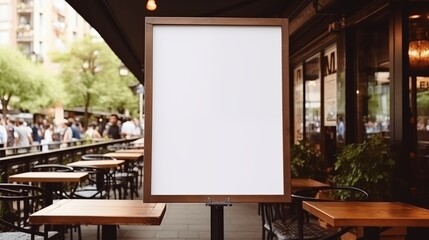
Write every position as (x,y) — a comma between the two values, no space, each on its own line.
(216,110)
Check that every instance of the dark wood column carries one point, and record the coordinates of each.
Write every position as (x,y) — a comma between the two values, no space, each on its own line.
(400,127)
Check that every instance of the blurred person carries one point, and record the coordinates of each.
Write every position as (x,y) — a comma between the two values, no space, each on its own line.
(75,128)
(49,132)
(128,128)
(3,138)
(67,135)
(113,131)
(340,129)
(92,132)
(138,129)
(36,133)
(47,136)
(22,134)
(29,130)
(10,128)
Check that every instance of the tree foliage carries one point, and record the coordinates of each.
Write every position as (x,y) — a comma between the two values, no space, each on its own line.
(368,165)
(24,84)
(306,162)
(89,71)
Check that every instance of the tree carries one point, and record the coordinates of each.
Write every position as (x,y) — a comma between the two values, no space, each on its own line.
(49,88)
(90,75)
(22,82)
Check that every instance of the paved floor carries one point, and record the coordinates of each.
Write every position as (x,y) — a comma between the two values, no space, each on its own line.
(191,221)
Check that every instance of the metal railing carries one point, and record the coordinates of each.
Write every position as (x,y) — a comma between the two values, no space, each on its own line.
(43,147)
(23,162)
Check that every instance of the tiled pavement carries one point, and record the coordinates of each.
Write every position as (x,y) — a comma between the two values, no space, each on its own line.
(191,221)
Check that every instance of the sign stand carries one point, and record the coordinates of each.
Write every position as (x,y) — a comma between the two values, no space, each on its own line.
(217,219)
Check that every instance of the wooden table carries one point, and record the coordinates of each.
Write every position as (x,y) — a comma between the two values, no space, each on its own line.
(102,164)
(132,156)
(105,212)
(370,215)
(48,180)
(301,183)
(106,164)
(136,150)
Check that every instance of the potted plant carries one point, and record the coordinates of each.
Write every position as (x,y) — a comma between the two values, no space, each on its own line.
(306,161)
(368,165)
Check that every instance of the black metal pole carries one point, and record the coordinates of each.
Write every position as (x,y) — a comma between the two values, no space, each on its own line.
(216,224)
(216,218)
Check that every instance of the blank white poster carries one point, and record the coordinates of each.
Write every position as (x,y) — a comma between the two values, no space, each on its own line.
(217,125)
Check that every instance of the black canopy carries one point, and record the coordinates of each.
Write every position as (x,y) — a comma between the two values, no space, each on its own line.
(121,22)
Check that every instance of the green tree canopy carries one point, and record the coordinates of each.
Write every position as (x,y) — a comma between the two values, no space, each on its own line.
(91,79)
(24,84)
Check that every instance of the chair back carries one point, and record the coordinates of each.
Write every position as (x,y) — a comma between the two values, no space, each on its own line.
(330,193)
(97,185)
(325,193)
(51,168)
(59,190)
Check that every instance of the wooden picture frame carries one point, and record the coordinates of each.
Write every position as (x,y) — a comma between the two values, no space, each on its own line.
(217,125)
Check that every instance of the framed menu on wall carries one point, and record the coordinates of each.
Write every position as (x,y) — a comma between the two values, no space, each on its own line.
(216,110)
(330,85)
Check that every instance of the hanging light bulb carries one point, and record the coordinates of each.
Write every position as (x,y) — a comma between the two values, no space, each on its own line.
(418,51)
(151,5)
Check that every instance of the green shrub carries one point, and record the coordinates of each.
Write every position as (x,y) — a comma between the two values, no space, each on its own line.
(368,165)
(306,162)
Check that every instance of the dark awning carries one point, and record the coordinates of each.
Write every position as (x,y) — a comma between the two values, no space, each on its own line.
(121,22)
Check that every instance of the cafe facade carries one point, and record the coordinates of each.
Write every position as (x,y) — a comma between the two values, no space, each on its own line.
(360,68)
(357,68)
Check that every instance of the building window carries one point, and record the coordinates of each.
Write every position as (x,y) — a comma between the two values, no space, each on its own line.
(42,26)
(373,89)
(4,12)
(4,38)
(312,100)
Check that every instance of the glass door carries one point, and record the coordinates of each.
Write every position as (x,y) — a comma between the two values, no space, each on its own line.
(312,99)
(373,89)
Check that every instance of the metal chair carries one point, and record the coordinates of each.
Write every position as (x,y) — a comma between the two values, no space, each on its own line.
(61,190)
(298,224)
(18,201)
(51,168)
(96,186)
(123,179)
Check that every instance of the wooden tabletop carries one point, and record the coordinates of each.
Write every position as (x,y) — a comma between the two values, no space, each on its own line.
(53,177)
(369,214)
(136,150)
(98,163)
(100,212)
(133,156)
(301,183)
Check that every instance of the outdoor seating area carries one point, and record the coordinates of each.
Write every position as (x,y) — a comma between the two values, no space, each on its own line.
(88,184)
(64,178)
(220,120)
(99,196)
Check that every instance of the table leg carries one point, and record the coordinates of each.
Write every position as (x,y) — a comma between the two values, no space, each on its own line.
(99,179)
(49,188)
(108,232)
(371,233)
